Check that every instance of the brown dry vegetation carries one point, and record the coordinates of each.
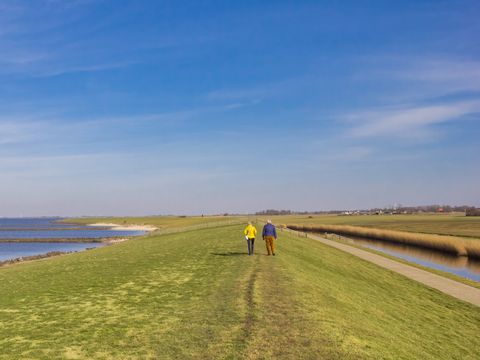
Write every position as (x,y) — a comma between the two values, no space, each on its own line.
(450,244)
(473,248)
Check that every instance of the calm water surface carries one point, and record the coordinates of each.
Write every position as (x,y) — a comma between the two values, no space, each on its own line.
(34,223)
(458,265)
(48,228)
(65,234)
(10,251)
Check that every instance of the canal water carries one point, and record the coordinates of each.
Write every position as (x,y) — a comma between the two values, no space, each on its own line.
(458,265)
(49,228)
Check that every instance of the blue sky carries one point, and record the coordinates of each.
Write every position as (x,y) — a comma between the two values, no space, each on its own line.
(159,107)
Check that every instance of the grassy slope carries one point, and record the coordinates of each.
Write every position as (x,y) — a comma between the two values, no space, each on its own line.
(446,224)
(186,295)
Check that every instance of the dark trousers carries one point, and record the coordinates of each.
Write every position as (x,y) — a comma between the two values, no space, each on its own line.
(250,244)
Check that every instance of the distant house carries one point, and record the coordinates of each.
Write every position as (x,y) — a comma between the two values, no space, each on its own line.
(472,212)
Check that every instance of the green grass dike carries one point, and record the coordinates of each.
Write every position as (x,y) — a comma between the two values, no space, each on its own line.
(197,295)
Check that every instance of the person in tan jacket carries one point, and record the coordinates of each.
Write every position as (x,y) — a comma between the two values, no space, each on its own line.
(269,234)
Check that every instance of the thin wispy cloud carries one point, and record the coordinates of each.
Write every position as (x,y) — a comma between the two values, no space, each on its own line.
(40,131)
(58,70)
(40,41)
(239,94)
(421,77)
(335,152)
(14,132)
(10,59)
(260,91)
(442,76)
(407,122)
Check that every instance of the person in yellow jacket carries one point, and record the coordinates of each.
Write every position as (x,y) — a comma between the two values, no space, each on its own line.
(250,234)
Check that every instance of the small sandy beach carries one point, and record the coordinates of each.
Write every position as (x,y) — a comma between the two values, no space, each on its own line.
(113,226)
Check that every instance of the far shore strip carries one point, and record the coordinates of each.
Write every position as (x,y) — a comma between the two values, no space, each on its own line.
(126,227)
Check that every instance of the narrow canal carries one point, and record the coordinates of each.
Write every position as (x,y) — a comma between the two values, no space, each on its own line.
(457,265)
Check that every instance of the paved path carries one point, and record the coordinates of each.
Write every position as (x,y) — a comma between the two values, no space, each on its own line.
(451,287)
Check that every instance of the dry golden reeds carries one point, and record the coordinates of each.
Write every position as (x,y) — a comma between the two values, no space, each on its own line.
(450,244)
(473,248)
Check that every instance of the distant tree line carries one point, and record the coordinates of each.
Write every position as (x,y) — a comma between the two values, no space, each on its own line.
(274,212)
(291,212)
(396,209)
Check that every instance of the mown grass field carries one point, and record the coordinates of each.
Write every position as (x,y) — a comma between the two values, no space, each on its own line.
(196,294)
(444,224)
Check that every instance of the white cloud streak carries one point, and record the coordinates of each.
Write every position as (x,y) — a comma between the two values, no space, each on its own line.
(407,121)
(454,75)
(33,43)
(420,78)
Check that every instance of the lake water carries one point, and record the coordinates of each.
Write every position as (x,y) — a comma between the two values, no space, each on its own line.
(49,228)
(65,234)
(458,265)
(10,251)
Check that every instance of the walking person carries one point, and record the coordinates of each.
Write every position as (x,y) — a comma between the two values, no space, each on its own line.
(250,234)
(269,234)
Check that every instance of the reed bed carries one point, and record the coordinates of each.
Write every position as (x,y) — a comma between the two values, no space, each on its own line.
(449,244)
(473,248)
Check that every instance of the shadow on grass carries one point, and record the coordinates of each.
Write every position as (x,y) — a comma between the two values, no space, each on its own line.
(229,253)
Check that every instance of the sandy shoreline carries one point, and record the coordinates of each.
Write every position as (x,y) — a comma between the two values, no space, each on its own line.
(118,227)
